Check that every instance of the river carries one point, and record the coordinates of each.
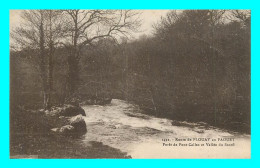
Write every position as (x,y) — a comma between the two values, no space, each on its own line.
(122,126)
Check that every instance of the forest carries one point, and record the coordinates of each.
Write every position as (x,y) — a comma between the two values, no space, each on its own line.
(195,66)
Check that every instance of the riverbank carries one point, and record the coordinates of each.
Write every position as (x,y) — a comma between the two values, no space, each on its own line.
(31,137)
(119,130)
(121,125)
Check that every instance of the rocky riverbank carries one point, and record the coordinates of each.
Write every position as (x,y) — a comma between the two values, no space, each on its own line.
(54,133)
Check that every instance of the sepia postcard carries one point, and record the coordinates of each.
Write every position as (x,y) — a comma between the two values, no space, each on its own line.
(132,84)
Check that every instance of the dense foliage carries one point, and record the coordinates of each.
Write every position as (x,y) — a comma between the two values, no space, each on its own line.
(196,67)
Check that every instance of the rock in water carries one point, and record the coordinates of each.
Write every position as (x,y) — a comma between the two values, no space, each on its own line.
(70,118)
(70,110)
(79,124)
(55,129)
(67,129)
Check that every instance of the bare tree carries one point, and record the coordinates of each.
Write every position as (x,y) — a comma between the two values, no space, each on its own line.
(243,16)
(85,27)
(39,30)
(53,35)
(30,34)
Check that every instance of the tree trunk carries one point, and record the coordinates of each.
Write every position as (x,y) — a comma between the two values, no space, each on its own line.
(50,66)
(73,61)
(73,74)
(50,77)
(42,63)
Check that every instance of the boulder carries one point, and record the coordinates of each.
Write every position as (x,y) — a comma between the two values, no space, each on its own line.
(67,130)
(70,110)
(79,124)
(55,129)
(66,110)
(76,127)
(54,111)
(67,120)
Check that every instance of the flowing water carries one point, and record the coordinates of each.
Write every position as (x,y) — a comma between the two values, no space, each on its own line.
(122,126)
